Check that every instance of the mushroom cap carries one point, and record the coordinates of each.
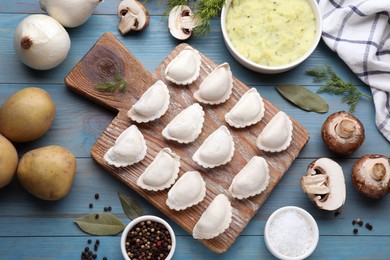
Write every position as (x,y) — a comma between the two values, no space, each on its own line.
(134,16)
(371,175)
(324,184)
(342,133)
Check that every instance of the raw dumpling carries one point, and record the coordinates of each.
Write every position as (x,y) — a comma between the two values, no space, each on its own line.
(162,172)
(188,191)
(129,148)
(216,150)
(186,126)
(249,110)
(152,105)
(216,88)
(215,220)
(251,180)
(276,135)
(185,67)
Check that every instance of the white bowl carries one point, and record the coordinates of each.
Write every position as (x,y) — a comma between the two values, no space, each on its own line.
(299,237)
(271,69)
(146,218)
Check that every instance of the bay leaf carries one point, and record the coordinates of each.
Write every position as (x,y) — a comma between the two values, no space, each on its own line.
(131,208)
(303,98)
(105,224)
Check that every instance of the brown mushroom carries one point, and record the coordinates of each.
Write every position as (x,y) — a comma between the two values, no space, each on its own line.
(371,175)
(181,22)
(342,133)
(134,16)
(324,184)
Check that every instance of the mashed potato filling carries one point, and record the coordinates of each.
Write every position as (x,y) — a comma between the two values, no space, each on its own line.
(271,32)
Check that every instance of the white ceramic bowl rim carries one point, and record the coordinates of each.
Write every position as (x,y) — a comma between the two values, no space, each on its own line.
(308,217)
(145,218)
(284,67)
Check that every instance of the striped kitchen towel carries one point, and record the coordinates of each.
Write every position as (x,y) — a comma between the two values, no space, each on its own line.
(359,32)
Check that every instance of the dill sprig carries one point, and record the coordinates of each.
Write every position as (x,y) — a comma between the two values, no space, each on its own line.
(334,84)
(204,11)
(111,86)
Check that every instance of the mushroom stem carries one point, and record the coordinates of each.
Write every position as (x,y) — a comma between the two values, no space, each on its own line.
(346,128)
(315,184)
(378,171)
(188,22)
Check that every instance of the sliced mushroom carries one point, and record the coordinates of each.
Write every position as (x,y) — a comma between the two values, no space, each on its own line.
(324,184)
(371,175)
(342,133)
(181,22)
(134,16)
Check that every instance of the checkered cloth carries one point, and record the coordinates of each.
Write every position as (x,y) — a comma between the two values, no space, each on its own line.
(359,32)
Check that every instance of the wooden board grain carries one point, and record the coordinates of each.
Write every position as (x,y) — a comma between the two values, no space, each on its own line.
(108,58)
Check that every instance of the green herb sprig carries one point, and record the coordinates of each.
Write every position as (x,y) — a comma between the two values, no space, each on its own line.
(204,11)
(334,84)
(110,86)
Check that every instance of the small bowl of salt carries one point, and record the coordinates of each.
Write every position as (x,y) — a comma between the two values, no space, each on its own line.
(291,233)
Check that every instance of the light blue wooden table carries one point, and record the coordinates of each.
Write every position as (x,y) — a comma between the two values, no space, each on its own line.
(34,229)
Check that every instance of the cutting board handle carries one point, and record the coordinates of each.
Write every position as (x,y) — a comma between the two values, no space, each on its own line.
(107,61)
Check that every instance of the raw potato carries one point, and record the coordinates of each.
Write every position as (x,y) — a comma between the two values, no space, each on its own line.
(27,115)
(47,172)
(8,161)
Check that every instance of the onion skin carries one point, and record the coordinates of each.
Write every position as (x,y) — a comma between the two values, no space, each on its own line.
(41,42)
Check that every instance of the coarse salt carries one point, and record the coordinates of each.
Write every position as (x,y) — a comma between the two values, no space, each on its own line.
(291,233)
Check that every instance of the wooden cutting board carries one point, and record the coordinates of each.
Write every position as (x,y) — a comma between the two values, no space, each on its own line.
(109,58)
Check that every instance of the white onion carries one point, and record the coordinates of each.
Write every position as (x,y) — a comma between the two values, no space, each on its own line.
(70,13)
(41,42)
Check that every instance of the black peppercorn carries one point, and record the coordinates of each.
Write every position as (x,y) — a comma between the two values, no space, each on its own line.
(359,221)
(96,216)
(96,195)
(104,258)
(86,249)
(90,205)
(89,241)
(109,208)
(105,209)
(368,226)
(355,230)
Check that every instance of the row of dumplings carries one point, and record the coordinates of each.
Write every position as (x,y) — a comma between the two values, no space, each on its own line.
(164,169)
(186,126)
(190,188)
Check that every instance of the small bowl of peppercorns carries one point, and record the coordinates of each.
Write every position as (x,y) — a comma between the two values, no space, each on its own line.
(148,237)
